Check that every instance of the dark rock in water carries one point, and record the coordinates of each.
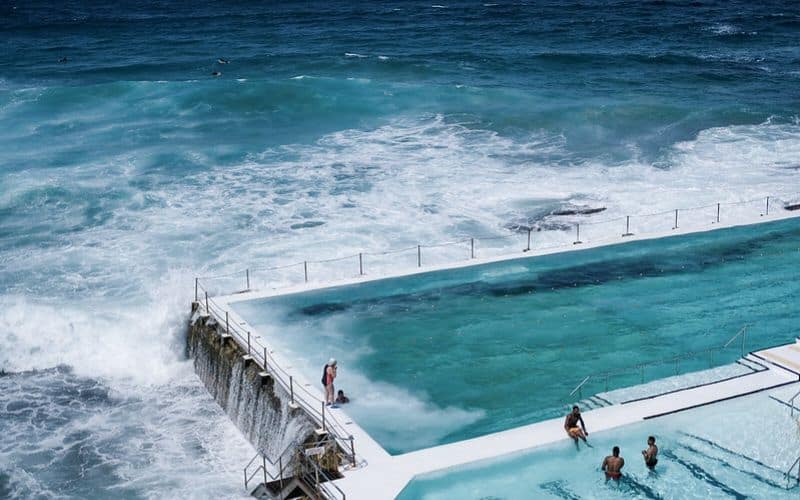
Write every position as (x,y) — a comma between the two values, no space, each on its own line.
(543,221)
(792,206)
(303,225)
(575,210)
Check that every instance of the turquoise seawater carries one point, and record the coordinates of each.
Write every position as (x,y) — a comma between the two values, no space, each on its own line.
(448,355)
(127,168)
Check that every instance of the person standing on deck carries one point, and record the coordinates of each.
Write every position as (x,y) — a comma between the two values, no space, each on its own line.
(328,376)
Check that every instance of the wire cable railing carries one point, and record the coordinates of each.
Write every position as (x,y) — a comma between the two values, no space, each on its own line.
(568,234)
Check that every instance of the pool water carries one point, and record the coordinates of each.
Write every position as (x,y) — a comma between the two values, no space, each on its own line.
(448,355)
(738,449)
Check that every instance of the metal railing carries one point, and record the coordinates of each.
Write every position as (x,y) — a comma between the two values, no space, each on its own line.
(789,476)
(293,462)
(674,360)
(313,406)
(791,403)
(468,247)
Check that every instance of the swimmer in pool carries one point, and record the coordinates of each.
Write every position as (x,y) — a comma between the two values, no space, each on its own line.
(650,453)
(571,426)
(613,464)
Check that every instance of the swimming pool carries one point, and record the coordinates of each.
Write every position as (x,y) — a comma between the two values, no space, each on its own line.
(738,449)
(448,355)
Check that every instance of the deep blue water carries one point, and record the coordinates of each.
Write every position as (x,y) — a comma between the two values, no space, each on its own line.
(127,168)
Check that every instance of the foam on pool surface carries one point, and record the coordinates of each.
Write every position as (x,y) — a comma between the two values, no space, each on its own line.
(447,355)
(738,449)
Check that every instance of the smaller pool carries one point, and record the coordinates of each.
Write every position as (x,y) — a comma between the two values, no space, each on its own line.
(738,449)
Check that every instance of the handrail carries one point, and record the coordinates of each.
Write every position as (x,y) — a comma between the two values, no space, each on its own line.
(743,333)
(712,218)
(279,475)
(673,359)
(788,474)
(791,403)
(578,388)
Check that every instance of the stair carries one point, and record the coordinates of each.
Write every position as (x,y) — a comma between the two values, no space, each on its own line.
(725,461)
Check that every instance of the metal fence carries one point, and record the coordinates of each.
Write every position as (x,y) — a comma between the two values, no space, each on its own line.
(524,239)
(299,395)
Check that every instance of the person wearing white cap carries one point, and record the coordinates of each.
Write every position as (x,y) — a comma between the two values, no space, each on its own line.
(328,376)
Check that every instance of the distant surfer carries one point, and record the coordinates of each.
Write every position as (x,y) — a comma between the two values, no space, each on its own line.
(571,426)
(63,59)
(216,73)
(222,61)
(650,453)
(613,464)
(328,376)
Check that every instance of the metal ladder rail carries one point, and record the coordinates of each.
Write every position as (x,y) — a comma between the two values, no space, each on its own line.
(789,476)
(673,359)
(282,466)
(791,402)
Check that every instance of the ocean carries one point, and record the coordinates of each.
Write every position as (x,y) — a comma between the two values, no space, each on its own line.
(145,143)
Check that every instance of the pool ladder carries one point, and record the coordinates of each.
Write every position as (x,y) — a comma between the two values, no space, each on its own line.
(790,477)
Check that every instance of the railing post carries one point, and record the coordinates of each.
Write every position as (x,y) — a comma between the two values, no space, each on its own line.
(744,334)
(196,286)
(642,368)
(717,212)
(265,360)
(291,389)
(712,359)
(472,248)
(280,471)
(677,362)
(676,219)
(247,277)
(227,330)
(208,311)
(627,226)
(767,213)
(577,235)
(353,450)
(529,241)
(248,343)
(360,264)
(419,255)
(323,415)
(264,468)
(305,270)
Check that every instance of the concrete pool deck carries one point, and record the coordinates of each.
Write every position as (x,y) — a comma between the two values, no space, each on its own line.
(381,475)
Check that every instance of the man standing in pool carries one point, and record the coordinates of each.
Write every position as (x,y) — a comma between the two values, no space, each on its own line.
(613,464)
(650,453)
(571,426)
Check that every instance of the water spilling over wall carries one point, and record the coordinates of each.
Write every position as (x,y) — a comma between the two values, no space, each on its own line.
(259,407)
